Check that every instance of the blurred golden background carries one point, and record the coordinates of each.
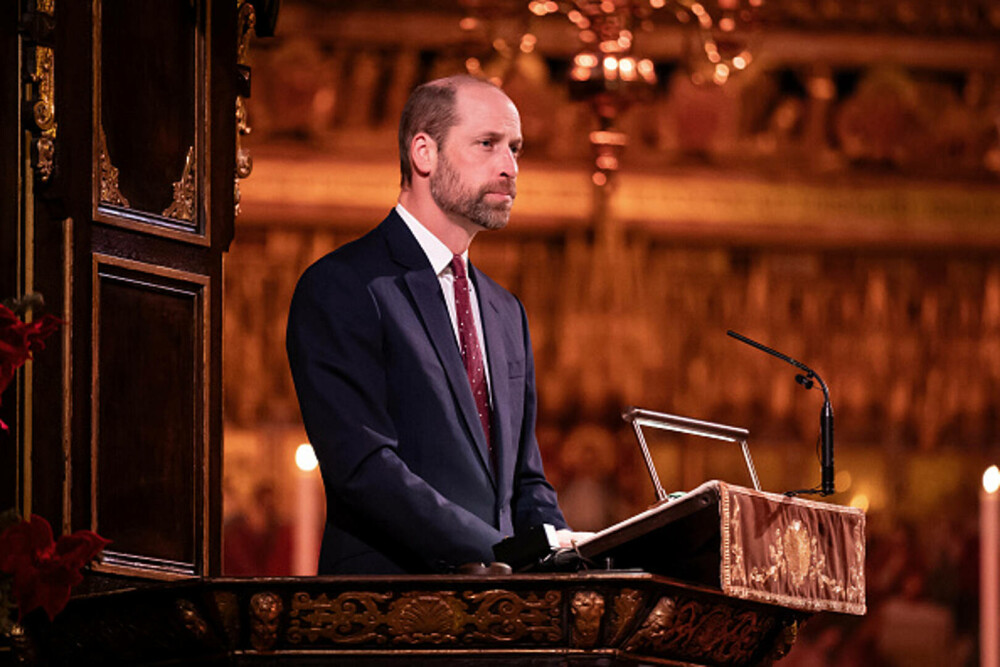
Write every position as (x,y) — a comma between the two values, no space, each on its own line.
(825,184)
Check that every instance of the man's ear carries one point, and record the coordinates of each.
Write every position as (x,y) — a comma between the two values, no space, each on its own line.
(423,154)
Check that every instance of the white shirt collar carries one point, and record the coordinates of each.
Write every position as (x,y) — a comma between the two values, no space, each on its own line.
(436,251)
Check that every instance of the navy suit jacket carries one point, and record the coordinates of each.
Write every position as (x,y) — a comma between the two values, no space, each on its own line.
(388,408)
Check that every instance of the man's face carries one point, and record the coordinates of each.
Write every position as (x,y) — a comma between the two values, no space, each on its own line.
(476,171)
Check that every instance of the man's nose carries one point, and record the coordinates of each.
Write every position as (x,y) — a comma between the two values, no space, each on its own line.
(508,163)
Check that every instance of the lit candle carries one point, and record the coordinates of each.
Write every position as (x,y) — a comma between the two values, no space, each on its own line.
(989,569)
(307,520)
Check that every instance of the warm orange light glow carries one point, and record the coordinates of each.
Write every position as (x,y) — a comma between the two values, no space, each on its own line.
(646,69)
(499,44)
(468,23)
(822,88)
(528,43)
(607,162)
(842,480)
(991,479)
(657,4)
(608,6)
(739,62)
(599,179)
(727,24)
(721,74)
(585,60)
(608,137)
(472,65)
(538,8)
(627,67)
(305,457)
(860,501)
(580,73)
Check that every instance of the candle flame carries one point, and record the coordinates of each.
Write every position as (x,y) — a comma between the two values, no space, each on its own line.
(305,457)
(991,479)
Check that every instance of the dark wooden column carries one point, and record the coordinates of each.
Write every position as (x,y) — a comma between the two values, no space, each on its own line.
(119,426)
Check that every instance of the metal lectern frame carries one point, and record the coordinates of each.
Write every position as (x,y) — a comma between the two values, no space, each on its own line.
(639,417)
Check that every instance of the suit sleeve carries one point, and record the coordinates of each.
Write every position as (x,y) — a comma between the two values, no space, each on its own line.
(534,498)
(335,350)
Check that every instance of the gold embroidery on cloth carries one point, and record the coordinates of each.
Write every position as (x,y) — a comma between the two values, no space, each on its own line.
(797,572)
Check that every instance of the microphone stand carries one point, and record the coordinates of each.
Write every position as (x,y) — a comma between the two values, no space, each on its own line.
(826,415)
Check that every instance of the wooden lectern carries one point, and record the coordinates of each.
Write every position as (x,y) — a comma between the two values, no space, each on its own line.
(720,576)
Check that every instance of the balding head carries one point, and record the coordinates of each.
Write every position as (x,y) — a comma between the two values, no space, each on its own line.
(431,109)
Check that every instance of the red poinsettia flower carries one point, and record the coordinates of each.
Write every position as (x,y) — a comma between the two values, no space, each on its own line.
(19,341)
(45,570)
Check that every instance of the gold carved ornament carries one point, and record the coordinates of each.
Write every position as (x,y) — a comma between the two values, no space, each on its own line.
(246,21)
(265,615)
(110,193)
(185,191)
(227,608)
(587,609)
(724,634)
(425,617)
(43,111)
(627,605)
(191,619)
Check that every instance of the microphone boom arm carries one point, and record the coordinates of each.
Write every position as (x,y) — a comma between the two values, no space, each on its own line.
(826,415)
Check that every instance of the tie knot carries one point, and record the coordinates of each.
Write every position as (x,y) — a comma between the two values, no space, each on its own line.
(458,266)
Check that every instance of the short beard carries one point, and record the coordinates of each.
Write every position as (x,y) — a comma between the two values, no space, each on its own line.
(453,197)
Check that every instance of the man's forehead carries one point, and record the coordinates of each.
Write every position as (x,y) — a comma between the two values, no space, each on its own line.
(481,103)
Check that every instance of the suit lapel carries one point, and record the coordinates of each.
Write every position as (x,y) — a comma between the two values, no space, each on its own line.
(426,292)
(496,353)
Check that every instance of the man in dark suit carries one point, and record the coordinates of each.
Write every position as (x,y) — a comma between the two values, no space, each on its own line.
(413,369)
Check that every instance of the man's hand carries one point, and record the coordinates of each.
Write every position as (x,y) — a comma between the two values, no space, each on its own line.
(568,538)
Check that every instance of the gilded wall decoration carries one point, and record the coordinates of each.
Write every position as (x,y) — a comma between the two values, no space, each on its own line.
(185,191)
(44,111)
(425,618)
(43,92)
(246,21)
(109,176)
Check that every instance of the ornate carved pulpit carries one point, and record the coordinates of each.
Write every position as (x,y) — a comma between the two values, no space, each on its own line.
(727,574)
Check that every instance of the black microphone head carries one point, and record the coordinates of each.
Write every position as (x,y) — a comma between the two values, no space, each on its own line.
(804,381)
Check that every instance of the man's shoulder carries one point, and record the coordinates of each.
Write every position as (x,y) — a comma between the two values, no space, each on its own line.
(365,253)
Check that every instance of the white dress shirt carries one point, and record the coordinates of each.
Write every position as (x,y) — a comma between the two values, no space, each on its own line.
(440,259)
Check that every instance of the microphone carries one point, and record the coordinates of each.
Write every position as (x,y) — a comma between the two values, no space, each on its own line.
(825,417)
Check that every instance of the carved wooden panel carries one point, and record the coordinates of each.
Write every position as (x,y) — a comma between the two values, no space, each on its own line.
(150,134)
(149,436)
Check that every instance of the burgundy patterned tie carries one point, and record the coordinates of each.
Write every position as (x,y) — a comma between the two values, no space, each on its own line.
(471,354)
